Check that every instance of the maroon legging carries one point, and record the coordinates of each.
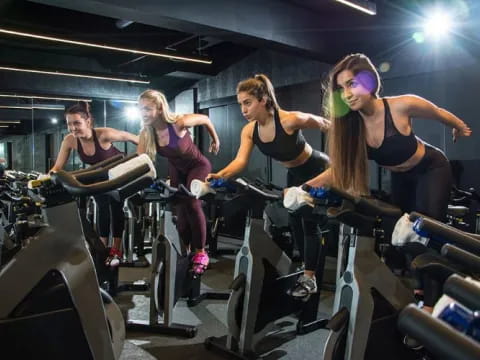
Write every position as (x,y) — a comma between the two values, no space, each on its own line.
(191,222)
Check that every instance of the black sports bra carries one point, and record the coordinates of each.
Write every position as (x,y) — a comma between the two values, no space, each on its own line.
(395,148)
(283,147)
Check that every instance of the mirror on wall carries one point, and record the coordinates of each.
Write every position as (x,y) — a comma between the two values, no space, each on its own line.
(32,130)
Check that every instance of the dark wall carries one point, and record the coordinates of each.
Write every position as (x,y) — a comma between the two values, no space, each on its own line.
(454,89)
(298,87)
(228,122)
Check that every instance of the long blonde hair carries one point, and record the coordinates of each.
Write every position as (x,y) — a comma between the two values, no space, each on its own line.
(346,141)
(147,135)
(259,86)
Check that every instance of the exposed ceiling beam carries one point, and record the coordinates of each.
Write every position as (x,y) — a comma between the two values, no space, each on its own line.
(287,26)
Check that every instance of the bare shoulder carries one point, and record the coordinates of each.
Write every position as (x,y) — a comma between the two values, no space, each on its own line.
(290,119)
(70,140)
(103,131)
(180,120)
(288,115)
(402,103)
(248,129)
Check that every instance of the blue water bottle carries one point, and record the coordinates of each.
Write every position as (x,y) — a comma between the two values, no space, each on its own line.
(457,316)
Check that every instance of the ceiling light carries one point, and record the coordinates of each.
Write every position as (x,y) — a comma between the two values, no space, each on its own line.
(59,73)
(125,101)
(38,107)
(438,24)
(365,6)
(54,120)
(9,122)
(42,97)
(3,126)
(106,47)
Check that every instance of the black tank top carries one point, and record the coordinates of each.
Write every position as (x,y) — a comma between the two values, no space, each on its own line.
(395,148)
(100,154)
(283,147)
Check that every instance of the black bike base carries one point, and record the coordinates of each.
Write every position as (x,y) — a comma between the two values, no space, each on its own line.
(193,301)
(140,263)
(136,287)
(187,331)
(219,346)
(306,328)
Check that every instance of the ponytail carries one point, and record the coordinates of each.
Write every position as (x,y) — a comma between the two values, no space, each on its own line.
(260,86)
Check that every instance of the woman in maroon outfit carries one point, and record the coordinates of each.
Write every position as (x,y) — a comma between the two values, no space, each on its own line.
(166,134)
(95,145)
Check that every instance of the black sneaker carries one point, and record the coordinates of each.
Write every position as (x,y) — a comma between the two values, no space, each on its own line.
(304,287)
(412,343)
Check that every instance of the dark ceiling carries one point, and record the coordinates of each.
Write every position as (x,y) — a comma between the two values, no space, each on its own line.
(224,31)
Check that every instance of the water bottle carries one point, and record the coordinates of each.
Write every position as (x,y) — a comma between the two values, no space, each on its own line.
(218,183)
(457,316)
(417,227)
(462,319)
(474,329)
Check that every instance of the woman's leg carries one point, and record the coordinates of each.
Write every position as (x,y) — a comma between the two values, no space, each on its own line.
(305,230)
(118,223)
(433,192)
(103,220)
(196,218)
(180,205)
(197,221)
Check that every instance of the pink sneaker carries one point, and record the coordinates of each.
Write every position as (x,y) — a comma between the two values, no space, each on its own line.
(114,258)
(199,263)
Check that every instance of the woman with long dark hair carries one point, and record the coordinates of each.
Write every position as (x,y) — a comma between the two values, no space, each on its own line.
(94,145)
(367,126)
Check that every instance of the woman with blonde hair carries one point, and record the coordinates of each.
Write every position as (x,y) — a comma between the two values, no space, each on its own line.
(277,133)
(166,134)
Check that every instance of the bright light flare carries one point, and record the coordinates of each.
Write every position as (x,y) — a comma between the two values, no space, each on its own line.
(132,113)
(438,25)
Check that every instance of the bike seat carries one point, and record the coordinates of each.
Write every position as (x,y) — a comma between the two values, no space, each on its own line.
(457,211)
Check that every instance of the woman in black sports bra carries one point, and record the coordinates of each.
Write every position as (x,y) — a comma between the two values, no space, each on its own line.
(277,133)
(365,126)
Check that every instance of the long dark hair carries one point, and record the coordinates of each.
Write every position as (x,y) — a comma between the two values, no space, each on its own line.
(82,108)
(346,137)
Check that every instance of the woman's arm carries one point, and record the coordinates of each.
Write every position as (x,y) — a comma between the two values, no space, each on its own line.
(114,135)
(297,120)
(191,120)
(323,179)
(415,106)
(63,153)
(243,155)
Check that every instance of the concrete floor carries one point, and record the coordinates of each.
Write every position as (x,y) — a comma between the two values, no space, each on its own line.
(210,319)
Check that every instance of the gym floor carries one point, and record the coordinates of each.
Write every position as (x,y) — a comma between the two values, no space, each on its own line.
(210,318)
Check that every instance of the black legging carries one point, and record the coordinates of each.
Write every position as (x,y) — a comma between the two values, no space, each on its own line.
(426,189)
(305,232)
(110,211)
